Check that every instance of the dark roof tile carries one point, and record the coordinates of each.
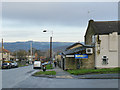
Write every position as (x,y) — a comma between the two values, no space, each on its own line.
(106,27)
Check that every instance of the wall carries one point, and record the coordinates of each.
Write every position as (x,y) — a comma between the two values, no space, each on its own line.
(0,56)
(88,63)
(106,49)
(88,36)
(70,63)
(59,60)
(6,55)
(119,50)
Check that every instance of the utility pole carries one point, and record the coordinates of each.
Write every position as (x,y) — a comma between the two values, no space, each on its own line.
(16,55)
(50,47)
(31,52)
(2,51)
(50,50)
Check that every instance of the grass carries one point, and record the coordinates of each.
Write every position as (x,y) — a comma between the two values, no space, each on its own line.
(49,67)
(21,65)
(45,73)
(94,71)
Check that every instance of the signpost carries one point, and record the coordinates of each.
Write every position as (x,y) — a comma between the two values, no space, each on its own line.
(81,56)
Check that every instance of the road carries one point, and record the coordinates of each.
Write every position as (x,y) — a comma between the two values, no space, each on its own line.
(21,78)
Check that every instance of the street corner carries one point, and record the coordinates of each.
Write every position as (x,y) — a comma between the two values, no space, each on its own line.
(54,76)
(65,77)
(44,76)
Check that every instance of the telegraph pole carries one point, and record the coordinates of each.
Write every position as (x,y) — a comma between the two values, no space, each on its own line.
(31,52)
(2,51)
(50,50)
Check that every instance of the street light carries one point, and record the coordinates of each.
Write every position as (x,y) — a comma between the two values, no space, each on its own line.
(50,46)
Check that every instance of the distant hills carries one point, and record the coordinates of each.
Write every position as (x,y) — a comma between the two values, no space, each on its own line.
(43,46)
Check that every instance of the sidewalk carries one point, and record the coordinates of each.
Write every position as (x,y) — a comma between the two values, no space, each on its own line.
(65,75)
(98,76)
(62,74)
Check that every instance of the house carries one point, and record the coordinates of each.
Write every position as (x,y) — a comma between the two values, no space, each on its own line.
(70,58)
(6,54)
(105,37)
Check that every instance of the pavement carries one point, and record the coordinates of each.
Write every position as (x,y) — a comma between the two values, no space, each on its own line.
(64,74)
(22,78)
(59,74)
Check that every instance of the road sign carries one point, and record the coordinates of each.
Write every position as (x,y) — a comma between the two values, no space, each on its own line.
(78,56)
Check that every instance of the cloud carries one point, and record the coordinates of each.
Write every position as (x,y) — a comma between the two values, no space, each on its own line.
(68,20)
(74,14)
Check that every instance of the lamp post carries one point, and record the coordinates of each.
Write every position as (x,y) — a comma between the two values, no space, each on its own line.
(50,46)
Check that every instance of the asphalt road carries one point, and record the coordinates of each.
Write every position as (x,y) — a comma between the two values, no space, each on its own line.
(21,78)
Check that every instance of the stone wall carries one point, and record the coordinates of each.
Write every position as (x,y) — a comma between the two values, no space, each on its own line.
(88,63)
(88,36)
(70,63)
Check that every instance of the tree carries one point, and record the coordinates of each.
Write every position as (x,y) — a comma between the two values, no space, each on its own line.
(20,54)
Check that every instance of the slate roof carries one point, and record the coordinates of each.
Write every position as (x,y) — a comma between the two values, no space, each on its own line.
(73,45)
(105,27)
(75,50)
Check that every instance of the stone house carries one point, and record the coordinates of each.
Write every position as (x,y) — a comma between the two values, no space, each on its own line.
(70,62)
(105,37)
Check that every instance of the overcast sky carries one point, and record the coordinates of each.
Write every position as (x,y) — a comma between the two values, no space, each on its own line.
(25,21)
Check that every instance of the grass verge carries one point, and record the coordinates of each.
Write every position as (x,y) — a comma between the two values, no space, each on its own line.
(94,71)
(21,65)
(45,73)
(49,67)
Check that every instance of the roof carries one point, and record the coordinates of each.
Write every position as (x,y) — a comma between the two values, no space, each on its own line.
(4,50)
(105,27)
(75,50)
(74,45)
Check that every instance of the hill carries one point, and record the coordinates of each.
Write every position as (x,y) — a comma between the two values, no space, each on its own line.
(13,46)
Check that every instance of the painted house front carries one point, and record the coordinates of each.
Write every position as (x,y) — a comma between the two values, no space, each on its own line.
(105,37)
(6,54)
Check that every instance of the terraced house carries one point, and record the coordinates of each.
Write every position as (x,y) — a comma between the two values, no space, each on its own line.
(105,36)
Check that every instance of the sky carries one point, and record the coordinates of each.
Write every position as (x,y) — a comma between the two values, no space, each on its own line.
(23,21)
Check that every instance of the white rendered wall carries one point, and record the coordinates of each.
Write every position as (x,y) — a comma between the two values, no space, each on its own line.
(119,50)
(111,51)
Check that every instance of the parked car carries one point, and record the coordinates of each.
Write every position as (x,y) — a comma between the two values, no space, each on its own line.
(14,64)
(6,65)
(37,65)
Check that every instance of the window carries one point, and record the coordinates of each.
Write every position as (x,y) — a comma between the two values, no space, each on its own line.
(93,39)
(104,60)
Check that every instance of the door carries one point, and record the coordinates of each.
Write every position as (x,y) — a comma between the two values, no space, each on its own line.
(63,62)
